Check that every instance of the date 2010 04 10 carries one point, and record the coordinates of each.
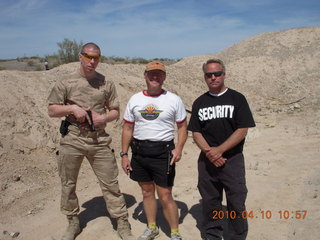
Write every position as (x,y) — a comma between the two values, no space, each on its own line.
(263,214)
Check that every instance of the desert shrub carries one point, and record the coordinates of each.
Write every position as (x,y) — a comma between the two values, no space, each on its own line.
(55,65)
(30,63)
(39,68)
(118,59)
(142,61)
(69,50)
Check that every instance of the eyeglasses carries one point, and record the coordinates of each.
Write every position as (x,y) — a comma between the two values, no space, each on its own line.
(156,73)
(90,57)
(216,74)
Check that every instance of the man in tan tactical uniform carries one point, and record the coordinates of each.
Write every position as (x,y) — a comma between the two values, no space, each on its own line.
(74,97)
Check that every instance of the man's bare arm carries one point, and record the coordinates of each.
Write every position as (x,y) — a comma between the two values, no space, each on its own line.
(127,132)
(182,138)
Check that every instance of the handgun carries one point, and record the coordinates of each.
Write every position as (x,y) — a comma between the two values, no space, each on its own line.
(92,128)
(64,127)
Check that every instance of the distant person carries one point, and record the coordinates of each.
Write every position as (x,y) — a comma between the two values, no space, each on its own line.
(88,101)
(149,126)
(219,123)
(46,64)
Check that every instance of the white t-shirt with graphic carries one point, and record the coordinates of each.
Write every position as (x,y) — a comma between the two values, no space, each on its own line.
(154,117)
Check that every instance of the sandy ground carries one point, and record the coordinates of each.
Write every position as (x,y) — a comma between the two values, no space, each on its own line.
(282,167)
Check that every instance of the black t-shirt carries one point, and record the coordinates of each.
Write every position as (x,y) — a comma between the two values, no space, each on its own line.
(217,117)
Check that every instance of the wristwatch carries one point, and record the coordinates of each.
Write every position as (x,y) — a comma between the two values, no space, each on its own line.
(123,154)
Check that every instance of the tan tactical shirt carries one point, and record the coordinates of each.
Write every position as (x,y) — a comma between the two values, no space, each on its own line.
(98,93)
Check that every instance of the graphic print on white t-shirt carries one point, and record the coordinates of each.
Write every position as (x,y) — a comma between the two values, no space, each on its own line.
(150,112)
(154,117)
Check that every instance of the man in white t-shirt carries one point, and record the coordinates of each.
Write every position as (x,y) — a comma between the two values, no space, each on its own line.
(149,126)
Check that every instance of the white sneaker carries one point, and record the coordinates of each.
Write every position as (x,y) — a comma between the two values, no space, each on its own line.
(149,234)
(176,237)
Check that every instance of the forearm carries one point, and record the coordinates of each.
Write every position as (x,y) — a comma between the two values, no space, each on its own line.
(200,141)
(182,135)
(56,110)
(214,156)
(127,133)
(113,114)
(234,139)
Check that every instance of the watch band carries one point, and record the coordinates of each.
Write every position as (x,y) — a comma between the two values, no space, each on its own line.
(123,154)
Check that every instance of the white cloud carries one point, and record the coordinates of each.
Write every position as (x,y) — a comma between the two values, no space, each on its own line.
(11,10)
(111,6)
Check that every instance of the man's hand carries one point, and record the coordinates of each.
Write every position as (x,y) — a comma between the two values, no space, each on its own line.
(220,162)
(214,154)
(98,119)
(176,156)
(80,114)
(126,165)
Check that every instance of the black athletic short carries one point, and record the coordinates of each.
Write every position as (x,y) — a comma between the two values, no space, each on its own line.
(150,162)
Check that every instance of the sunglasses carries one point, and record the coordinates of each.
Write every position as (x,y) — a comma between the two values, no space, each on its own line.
(216,74)
(90,57)
(157,73)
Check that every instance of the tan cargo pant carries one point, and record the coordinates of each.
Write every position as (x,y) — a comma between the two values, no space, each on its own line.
(95,147)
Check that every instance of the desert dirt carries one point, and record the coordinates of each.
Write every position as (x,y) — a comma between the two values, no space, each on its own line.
(277,72)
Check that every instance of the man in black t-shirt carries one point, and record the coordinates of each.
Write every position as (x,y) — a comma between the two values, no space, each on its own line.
(219,123)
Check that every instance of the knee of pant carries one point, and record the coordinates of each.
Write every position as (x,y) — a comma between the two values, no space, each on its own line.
(237,206)
(237,203)
(111,186)
(213,202)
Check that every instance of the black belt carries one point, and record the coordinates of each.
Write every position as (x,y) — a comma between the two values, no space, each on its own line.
(138,142)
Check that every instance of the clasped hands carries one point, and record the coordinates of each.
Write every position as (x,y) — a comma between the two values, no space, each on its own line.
(83,118)
(214,154)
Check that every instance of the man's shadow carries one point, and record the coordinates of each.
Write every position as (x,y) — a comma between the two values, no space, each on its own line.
(96,207)
(139,215)
(196,212)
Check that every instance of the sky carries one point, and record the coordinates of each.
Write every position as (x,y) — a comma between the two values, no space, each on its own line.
(145,28)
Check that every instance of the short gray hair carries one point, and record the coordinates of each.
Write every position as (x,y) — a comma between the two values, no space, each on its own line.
(214,60)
